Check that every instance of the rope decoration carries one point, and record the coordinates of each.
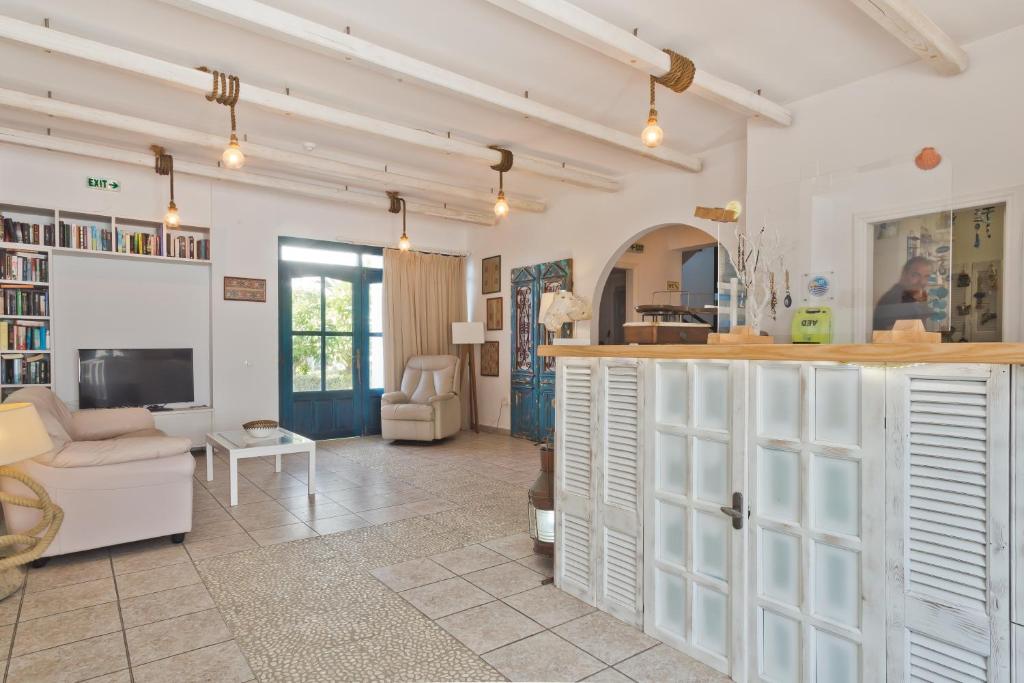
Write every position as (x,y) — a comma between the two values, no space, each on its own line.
(505,164)
(679,76)
(225,91)
(50,523)
(164,165)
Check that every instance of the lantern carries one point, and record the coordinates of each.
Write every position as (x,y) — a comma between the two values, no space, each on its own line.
(541,507)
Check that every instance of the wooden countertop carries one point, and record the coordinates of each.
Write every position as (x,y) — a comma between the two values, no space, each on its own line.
(996,353)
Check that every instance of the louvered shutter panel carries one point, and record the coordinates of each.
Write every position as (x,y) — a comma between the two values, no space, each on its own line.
(948,523)
(576,418)
(618,509)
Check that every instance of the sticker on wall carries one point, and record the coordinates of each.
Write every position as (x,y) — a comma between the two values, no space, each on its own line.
(818,286)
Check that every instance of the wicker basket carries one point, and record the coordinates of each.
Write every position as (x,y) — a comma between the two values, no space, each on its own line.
(260,429)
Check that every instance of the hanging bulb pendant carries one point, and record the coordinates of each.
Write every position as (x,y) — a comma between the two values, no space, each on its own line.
(652,135)
(501,207)
(233,157)
(171,218)
(403,242)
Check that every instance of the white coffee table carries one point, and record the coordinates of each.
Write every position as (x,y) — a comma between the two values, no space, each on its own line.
(239,444)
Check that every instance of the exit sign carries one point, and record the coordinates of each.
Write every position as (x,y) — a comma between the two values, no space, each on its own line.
(107,184)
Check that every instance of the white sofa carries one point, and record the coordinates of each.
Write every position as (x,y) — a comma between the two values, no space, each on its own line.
(427,407)
(117,477)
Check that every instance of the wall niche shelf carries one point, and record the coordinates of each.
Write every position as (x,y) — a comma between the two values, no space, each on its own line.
(30,238)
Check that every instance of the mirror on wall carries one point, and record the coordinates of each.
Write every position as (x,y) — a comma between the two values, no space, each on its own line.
(944,268)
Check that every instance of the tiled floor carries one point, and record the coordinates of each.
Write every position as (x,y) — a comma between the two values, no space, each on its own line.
(411,563)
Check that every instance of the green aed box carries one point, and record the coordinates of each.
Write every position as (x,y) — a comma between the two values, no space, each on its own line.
(812,325)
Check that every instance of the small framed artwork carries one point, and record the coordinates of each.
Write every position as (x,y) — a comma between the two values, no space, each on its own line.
(490,275)
(494,313)
(489,359)
(245,289)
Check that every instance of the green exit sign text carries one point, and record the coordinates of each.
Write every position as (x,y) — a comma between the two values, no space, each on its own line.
(107,184)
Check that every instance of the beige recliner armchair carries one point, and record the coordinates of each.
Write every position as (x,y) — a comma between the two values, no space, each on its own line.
(427,407)
(117,477)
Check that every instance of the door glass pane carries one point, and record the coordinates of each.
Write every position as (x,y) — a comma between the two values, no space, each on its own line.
(375,261)
(670,526)
(836,501)
(711,544)
(376,307)
(780,648)
(709,619)
(780,564)
(314,255)
(836,659)
(338,305)
(710,471)
(376,362)
(306,304)
(837,584)
(670,455)
(339,363)
(670,596)
(305,362)
(778,475)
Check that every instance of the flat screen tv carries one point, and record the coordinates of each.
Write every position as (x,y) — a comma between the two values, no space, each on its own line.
(113,378)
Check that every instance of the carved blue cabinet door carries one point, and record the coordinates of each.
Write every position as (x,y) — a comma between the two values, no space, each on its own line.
(533,377)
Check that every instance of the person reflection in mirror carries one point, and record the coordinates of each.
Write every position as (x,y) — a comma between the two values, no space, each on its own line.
(908,298)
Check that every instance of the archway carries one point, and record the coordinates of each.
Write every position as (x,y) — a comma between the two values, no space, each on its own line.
(646,274)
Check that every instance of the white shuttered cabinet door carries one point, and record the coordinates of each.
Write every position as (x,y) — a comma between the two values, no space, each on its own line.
(947,523)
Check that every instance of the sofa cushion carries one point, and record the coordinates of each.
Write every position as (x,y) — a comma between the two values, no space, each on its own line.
(407,411)
(142,432)
(112,451)
(107,423)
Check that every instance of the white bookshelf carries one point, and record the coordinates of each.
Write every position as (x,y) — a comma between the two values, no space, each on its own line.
(117,226)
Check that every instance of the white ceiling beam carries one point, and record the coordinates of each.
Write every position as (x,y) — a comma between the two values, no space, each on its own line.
(192,79)
(353,174)
(570,21)
(272,22)
(913,28)
(290,185)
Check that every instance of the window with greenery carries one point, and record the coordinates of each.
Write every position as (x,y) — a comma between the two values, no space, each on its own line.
(322,341)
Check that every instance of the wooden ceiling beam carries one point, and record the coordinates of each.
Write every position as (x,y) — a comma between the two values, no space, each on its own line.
(283,184)
(353,174)
(570,21)
(275,23)
(192,79)
(913,28)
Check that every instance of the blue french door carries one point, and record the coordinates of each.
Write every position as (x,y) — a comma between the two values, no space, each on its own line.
(533,377)
(330,338)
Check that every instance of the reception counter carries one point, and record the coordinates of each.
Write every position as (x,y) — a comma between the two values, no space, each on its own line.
(795,512)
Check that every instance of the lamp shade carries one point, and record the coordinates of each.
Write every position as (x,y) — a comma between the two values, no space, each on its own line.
(467,333)
(22,434)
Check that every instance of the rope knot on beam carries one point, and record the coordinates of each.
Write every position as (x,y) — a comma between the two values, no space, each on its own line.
(505,165)
(225,91)
(680,74)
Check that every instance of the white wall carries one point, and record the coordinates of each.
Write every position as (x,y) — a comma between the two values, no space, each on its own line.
(246,223)
(848,159)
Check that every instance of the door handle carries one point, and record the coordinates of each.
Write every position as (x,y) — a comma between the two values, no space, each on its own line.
(736,511)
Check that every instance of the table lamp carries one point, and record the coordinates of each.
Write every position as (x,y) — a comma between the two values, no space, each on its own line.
(467,335)
(23,436)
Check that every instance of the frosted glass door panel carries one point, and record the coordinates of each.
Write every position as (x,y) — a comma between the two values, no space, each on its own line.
(689,542)
(817,480)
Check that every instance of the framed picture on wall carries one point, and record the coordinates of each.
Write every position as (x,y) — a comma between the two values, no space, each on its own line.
(494,313)
(245,289)
(489,359)
(490,275)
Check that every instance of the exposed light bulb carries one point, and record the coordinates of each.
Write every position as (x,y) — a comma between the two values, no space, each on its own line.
(652,134)
(233,157)
(501,207)
(403,243)
(735,206)
(171,218)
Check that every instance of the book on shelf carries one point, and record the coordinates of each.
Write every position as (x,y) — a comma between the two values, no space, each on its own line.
(87,237)
(24,266)
(24,335)
(24,368)
(27,233)
(23,301)
(185,246)
(147,244)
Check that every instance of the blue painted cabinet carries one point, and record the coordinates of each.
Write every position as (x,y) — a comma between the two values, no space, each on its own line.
(533,377)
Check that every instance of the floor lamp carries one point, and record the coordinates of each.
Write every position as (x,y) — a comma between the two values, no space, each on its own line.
(23,436)
(467,335)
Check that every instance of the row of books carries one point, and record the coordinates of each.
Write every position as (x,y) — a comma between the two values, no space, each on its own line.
(24,302)
(24,266)
(27,233)
(187,247)
(138,243)
(24,335)
(22,368)
(91,237)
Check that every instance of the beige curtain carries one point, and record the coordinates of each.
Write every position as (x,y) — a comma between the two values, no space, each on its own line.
(423,295)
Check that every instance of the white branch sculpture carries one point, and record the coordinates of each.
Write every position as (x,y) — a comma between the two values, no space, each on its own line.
(757,256)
